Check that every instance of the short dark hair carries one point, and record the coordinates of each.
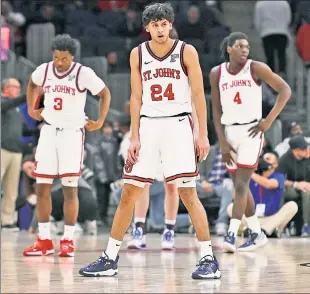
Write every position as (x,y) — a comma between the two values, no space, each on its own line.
(230,41)
(157,11)
(64,43)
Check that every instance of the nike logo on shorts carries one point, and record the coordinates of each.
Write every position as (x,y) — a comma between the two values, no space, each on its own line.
(181,119)
(185,182)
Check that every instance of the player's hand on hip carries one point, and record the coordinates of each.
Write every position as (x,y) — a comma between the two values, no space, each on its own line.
(262,127)
(133,150)
(36,114)
(226,150)
(93,125)
(202,147)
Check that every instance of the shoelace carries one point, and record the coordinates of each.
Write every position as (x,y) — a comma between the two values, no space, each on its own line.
(101,259)
(205,263)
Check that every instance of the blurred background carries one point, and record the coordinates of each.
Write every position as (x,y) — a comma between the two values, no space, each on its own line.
(106,31)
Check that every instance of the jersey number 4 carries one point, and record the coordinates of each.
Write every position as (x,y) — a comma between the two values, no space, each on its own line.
(157,91)
(57,103)
(237,98)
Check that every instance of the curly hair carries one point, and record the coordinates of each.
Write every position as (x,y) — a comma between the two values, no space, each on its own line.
(157,11)
(64,43)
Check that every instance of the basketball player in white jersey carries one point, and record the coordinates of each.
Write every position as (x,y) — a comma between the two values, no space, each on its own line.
(61,143)
(237,112)
(165,74)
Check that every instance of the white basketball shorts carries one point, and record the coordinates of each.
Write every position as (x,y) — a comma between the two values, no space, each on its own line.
(248,148)
(169,141)
(59,153)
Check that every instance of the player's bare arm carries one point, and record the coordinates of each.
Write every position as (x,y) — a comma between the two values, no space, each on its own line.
(104,104)
(135,105)
(226,148)
(264,73)
(195,121)
(33,91)
(191,62)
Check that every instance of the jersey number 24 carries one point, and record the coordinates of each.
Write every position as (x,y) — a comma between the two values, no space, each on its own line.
(157,93)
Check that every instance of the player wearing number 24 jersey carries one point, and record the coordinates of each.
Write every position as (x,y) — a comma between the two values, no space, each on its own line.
(60,148)
(165,78)
(237,112)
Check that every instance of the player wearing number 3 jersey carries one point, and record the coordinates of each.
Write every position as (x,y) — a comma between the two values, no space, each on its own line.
(61,144)
(165,78)
(237,111)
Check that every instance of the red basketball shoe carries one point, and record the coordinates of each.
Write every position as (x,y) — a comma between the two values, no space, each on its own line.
(40,248)
(66,248)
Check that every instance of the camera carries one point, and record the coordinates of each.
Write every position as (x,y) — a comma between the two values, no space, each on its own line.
(263,166)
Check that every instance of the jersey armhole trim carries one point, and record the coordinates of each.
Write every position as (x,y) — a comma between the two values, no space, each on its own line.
(257,82)
(182,58)
(140,57)
(76,80)
(45,75)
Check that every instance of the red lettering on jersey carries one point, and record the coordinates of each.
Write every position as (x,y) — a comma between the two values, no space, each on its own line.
(60,89)
(162,73)
(147,75)
(236,83)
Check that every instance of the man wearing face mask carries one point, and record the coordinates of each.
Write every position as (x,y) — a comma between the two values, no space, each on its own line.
(295,163)
(267,186)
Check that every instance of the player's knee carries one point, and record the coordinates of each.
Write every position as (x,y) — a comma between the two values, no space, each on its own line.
(241,188)
(188,196)
(130,194)
(44,181)
(70,181)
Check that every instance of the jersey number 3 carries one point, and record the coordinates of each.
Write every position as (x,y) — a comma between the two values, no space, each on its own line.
(157,90)
(57,103)
(237,98)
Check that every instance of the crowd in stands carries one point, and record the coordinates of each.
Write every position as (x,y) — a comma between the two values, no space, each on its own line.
(281,183)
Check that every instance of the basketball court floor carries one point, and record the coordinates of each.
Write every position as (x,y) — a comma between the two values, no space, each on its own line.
(273,268)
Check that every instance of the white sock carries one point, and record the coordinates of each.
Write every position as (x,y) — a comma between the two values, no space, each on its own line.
(205,248)
(68,233)
(45,231)
(234,226)
(253,224)
(139,220)
(112,248)
(170,222)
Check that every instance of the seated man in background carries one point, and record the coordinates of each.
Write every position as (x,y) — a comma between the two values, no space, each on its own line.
(294,129)
(295,163)
(267,186)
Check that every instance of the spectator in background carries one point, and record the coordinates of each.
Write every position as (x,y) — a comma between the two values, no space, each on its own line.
(295,163)
(294,129)
(303,42)
(192,27)
(272,20)
(267,147)
(106,169)
(14,20)
(267,186)
(11,149)
(302,15)
(130,26)
(46,14)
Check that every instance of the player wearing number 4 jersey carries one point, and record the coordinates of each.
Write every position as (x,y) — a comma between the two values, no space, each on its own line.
(165,74)
(61,143)
(237,111)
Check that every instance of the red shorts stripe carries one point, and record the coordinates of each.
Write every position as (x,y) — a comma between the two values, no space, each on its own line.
(139,179)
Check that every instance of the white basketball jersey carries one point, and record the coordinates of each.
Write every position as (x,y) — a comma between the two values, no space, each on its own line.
(64,101)
(241,95)
(165,85)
